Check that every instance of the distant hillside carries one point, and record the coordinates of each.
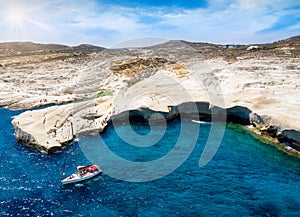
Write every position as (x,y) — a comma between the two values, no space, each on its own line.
(208,47)
(292,40)
(231,52)
(29,46)
(86,47)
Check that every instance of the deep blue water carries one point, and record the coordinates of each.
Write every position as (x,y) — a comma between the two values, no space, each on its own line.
(245,178)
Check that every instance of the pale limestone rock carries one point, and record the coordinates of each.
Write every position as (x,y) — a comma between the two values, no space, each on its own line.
(266,85)
(52,128)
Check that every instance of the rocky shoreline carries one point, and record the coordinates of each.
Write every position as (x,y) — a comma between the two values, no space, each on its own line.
(257,88)
(236,115)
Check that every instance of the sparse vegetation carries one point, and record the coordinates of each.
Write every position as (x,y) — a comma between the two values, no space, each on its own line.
(103,93)
(135,66)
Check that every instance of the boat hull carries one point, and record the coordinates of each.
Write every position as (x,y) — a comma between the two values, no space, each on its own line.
(75,178)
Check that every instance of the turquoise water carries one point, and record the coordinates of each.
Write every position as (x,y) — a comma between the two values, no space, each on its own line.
(245,178)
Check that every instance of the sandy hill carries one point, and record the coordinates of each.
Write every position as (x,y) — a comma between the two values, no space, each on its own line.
(29,46)
(291,41)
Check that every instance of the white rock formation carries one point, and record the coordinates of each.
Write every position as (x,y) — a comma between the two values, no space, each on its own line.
(156,78)
(49,129)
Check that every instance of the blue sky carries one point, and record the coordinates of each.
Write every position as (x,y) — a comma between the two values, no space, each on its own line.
(107,22)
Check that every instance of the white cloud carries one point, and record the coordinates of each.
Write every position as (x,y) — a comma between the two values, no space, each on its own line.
(79,21)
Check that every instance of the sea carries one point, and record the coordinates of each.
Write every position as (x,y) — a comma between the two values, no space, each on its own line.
(245,177)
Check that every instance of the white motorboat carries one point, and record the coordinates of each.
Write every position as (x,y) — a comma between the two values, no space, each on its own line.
(82,173)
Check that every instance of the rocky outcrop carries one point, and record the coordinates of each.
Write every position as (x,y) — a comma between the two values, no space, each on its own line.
(133,67)
(28,139)
(256,120)
(140,115)
(270,130)
(51,129)
(72,120)
(239,115)
(291,138)
(258,87)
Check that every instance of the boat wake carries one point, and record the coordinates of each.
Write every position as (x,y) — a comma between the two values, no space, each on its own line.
(200,122)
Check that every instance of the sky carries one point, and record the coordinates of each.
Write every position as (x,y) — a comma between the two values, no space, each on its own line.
(111,23)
